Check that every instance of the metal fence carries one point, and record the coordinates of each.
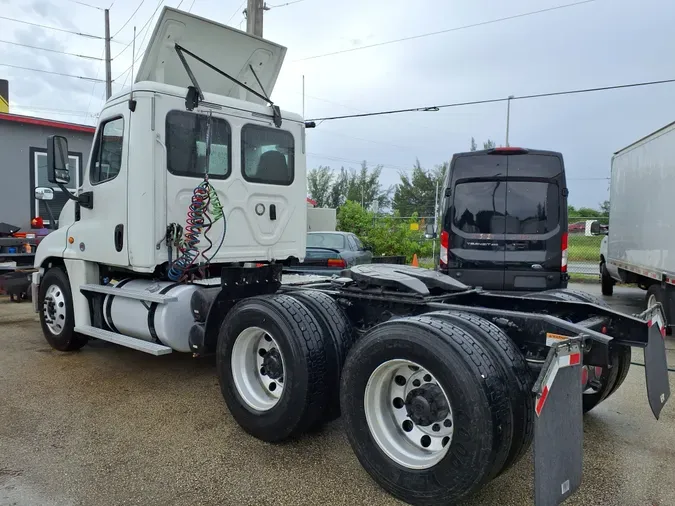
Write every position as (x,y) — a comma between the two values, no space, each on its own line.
(583,254)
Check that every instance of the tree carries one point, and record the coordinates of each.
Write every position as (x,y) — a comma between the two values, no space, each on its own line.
(319,185)
(363,187)
(489,144)
(604,207)
(417,193)
(473,144)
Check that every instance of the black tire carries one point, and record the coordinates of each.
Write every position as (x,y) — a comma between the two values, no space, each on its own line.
(624,358)
(298,336)
(619,355)
(580,295)
(659,294)
(478,398)
(338,338)
(65,339)
(506,355)
(608,379)
(606,281)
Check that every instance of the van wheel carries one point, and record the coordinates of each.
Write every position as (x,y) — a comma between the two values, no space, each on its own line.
(427,409)
(271,367)
(606,281)
(57,318)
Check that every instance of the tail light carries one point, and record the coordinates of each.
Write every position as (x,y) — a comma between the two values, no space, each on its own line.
(336,262)
(445,246)
(563,247)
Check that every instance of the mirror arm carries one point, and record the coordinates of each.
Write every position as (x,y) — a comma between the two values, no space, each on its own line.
(85,199)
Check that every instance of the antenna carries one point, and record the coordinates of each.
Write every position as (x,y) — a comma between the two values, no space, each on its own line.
(132,102)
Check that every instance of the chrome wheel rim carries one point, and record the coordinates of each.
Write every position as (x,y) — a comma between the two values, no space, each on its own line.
(54,309)
(409,414)
(651,301)
(257,369)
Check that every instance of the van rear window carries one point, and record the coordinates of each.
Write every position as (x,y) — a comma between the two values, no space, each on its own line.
(532,207)
(479,207)
(501,207)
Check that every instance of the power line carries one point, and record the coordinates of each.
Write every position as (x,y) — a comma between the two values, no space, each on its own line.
(81,34)
(191,5)
(495,100)
(88,5)
(159,4)
(284,5)
(53,28)
(127,21)
(138,34)
(51,50)
(235,12)
(56,111)
(448,30)
(51,72)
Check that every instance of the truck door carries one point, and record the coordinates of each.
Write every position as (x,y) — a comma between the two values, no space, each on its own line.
(535,223)
(100,234)
(476,220)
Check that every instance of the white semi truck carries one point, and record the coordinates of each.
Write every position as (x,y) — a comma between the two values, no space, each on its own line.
(637,248)
(192,201)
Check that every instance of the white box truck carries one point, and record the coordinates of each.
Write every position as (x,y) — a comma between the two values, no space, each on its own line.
(640,239)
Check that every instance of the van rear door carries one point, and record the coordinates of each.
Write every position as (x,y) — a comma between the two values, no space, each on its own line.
(476,221)
(536,221)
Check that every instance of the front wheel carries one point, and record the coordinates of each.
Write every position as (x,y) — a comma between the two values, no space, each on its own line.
(606,281)
(55,302)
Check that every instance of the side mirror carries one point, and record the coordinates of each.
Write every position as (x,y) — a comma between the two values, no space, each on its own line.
(57,160)
(42,193)
(430,233)
(595,228)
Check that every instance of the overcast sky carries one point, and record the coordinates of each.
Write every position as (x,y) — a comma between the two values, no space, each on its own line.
(599,43)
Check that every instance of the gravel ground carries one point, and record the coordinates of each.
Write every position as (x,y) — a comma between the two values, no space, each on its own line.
(111,426)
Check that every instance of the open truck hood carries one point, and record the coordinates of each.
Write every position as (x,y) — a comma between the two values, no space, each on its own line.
(228,49)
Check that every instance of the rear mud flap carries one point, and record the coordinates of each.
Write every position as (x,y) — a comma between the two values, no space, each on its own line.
(558,427)
(656,363)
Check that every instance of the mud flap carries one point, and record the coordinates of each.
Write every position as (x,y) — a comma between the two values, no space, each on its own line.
(558,426)
(656,362)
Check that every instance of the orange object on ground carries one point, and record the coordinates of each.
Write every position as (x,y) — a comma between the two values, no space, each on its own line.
(415,263)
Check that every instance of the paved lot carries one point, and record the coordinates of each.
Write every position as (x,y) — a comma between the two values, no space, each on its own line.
(111,426)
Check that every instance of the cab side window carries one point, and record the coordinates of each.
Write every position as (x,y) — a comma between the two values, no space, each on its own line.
(106,160)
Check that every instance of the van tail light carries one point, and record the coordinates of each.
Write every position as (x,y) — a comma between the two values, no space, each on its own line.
(563,247)
(336,262)
(445,246)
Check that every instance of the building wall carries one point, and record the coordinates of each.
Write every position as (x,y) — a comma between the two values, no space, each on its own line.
(18,144)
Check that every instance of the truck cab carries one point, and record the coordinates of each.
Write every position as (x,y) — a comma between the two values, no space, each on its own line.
(149,158)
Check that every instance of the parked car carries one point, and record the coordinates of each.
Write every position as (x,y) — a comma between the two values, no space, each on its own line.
(329,252)
(504,222)
(577,228)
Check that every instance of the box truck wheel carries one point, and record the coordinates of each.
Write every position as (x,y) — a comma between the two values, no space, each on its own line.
(506,355)
(423,403)
(656,294)
(271,367)
(338,337)
(55,303)
(606,281)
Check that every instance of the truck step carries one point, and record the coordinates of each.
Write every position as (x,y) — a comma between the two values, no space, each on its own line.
(129,294)
(122,340)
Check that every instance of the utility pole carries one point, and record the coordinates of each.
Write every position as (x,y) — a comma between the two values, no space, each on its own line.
(433,244)
(254,17)
(508,118)
(108,77)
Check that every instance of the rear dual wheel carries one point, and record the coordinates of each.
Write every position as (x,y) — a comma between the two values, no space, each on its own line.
(427,408)
(598,382)
(279,360)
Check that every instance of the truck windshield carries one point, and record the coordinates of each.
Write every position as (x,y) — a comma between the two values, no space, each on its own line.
(186,145)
